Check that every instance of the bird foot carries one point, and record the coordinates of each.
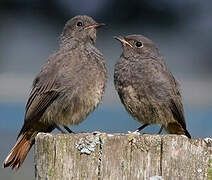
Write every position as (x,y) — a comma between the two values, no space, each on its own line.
(136,132)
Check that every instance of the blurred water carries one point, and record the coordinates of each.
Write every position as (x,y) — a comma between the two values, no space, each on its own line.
(110,120)
(104,119)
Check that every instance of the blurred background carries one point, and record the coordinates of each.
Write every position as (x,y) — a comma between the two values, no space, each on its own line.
(29,33)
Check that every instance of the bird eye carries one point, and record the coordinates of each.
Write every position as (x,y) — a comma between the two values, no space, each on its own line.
(139,44)
(79,23)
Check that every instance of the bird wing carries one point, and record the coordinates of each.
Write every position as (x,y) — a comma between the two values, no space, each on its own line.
(44,92)
(38,101)
(175,101)
(161,86)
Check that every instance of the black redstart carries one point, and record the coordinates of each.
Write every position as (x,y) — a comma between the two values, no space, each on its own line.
(68,88)
(146,87)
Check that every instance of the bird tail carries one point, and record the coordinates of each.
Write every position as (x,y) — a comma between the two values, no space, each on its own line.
(176,128)
(19,152)
(187,134)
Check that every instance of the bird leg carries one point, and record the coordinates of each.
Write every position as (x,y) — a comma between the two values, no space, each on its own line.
(142,127)
(161,129)
(58,128)
(67,129)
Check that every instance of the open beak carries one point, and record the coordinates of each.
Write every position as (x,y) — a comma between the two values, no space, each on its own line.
(95,26)
(122,40)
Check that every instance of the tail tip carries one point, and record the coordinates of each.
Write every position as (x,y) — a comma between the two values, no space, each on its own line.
(187,134)
(4,165)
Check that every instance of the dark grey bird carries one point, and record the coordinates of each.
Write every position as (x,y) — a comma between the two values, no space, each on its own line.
(68,88)
(146,87)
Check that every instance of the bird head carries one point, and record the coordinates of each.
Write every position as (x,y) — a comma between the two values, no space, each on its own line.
(81,28)
(137,46)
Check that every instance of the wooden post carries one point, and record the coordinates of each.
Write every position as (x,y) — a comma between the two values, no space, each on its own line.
(100,156)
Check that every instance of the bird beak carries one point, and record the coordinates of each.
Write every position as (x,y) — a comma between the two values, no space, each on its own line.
(95,26)
(122,40)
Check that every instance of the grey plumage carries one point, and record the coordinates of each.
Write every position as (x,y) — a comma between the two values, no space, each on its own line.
(146,87)
(68,88)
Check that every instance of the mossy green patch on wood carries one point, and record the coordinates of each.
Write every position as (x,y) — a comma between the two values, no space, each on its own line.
(210,169)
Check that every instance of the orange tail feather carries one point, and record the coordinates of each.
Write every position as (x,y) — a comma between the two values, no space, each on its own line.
(19,152)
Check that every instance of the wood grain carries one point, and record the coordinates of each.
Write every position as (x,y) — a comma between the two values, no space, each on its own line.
(100,156)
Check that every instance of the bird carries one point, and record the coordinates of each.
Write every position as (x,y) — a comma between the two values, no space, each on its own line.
(69,86)
(146,87)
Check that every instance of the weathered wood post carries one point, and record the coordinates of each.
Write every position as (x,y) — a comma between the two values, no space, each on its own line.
(122,157)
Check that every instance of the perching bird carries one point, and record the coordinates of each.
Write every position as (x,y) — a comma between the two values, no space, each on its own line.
(68,88)
(146,87)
